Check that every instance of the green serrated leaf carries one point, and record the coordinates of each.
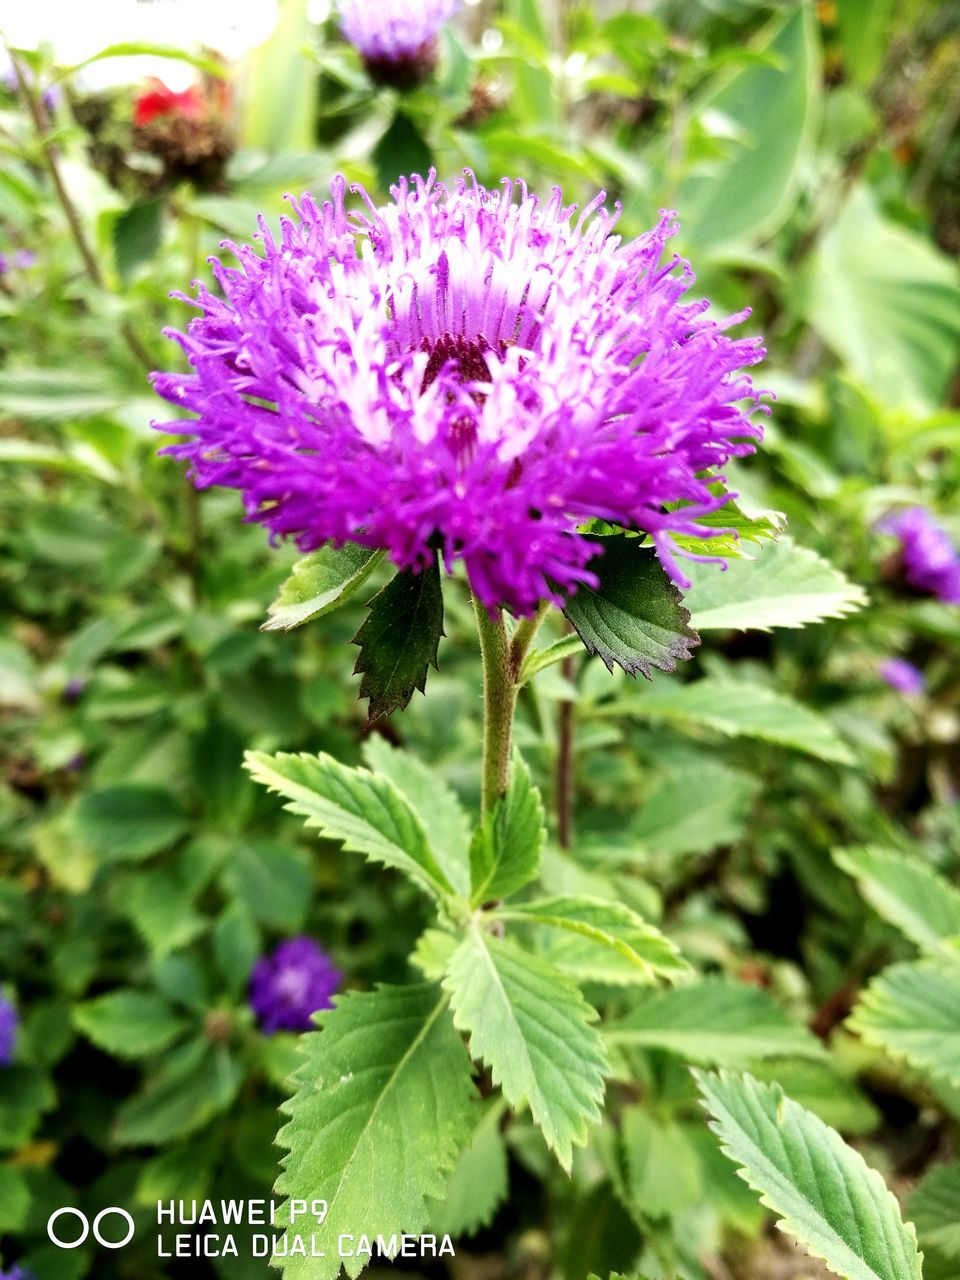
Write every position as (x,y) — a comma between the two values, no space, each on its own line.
(826,1195)
(320,583)
(735,710)
(384,1100)
(611,942)
(788,586)
(912,1011)
(886,301)
(478,1185)
(635,618)
(435,804)
(737,528)
(922,904)
(400,639)
(129,1024)
(364,810)
(715,1021)
(505,849)
(934,1206)
(531,1026)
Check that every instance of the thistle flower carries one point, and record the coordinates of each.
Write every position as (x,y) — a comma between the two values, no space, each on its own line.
(397,39)
(929,561)
(8,1031)
(290,985)
(902,676)
(471,372)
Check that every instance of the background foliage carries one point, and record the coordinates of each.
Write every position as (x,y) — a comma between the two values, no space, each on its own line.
(786,818)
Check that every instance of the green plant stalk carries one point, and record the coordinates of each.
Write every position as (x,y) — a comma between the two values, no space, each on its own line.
(88,257)
(502,656)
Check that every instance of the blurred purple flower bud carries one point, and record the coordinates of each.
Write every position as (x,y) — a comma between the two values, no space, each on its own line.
(8,1031)
(902,676)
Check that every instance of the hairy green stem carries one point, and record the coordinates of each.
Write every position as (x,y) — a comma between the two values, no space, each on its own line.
(502,657)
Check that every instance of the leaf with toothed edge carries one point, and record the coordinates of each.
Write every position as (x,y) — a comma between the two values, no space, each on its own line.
(532,1027)
(384,1105)
(824,1192)
(912,1012)
(364,810)
(635,617)
(400,639)
(320,583)
(506,847)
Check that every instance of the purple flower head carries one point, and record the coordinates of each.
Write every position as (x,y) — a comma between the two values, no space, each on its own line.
(8,1031)
(929,560)
(397,39)
(288,986)
(902,676)
(467,370)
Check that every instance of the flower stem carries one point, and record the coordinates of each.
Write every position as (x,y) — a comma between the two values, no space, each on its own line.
(502,658)
(40,122)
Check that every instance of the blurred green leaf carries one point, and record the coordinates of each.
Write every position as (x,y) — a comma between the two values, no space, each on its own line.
(887,302)
(714,1021)
(788,586)
(934,1206)
(129,1024)
(735,710)
(912,1012)
(767,113)
(922,904)
(128,822)
(279,104)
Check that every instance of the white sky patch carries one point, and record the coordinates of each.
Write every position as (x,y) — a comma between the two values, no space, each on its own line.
(78,29)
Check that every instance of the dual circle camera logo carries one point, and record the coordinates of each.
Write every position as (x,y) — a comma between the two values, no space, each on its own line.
(68,1211)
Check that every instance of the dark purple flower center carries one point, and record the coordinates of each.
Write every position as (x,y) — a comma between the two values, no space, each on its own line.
(465,358)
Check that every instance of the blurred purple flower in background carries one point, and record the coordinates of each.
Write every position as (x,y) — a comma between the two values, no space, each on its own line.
(930,561)
(902,676)
(397,39)
(469,370)
(17,1272)
(8,1031)
(291,984)
(20,260)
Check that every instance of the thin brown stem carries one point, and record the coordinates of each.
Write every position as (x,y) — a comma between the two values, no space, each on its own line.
(38,115)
